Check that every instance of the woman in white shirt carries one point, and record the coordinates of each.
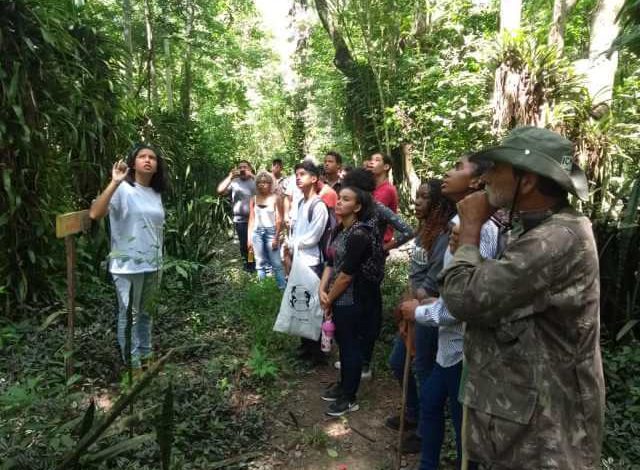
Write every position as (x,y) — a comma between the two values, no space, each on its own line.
(265,221)
(136,217)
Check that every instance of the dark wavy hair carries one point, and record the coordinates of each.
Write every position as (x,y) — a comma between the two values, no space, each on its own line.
(360,178)
(436,218)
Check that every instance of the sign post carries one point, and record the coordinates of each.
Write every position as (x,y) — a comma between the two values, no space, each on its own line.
(67,225)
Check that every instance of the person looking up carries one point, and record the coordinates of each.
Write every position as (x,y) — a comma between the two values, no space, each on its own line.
(136,219)
(379,165)
(384,218)
(433,211)
(304,243)
(534,391)
(443,383)
(332,168)
(264,226)
(242,187)
(276,173)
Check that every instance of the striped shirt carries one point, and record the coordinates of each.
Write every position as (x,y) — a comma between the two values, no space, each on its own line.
(450,329)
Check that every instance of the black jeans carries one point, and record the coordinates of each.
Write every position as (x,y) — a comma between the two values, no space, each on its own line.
(350,322)
(242,230)
(369,335)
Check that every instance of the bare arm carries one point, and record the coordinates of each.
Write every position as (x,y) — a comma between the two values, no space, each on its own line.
(339,286)
(251,222)
(100,207)
(223,187)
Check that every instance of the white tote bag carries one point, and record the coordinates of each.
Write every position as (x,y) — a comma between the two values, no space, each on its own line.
(300,312)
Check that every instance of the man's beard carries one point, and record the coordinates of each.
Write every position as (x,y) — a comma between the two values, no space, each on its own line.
(498,198)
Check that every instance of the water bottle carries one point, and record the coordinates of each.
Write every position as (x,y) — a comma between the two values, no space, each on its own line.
(328,328)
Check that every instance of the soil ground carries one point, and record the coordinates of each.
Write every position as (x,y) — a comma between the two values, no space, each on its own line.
(304,438)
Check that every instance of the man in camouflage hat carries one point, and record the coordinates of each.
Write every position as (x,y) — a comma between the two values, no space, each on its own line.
(534,392)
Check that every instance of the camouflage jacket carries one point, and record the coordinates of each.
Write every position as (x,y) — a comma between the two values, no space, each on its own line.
(534,388)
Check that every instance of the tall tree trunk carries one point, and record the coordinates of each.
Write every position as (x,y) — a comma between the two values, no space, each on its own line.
(185,89)
(600,67)
(507,80)
(126,16)
(152,96)
(561,10)
(168,74)
(360,81)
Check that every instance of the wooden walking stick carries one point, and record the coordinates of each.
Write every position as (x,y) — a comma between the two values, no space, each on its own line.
(463,437)
(408,327)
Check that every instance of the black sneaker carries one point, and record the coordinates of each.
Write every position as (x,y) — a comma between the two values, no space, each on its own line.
(332,393)
(411,444)
(393,422)
(341,407)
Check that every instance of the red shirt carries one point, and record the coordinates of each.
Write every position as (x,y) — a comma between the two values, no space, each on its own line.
(327,194)
(386,194)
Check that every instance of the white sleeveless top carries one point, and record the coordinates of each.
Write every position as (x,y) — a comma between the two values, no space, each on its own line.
(264,217)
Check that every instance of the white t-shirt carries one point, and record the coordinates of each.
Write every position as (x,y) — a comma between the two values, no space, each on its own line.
(307,234)
(295,194)
(136,217)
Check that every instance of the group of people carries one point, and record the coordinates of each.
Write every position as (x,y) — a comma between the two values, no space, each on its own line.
(501,314)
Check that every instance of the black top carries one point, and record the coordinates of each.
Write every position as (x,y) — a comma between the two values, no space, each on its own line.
(350,249)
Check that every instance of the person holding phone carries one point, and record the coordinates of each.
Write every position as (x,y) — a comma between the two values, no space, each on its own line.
(240,183)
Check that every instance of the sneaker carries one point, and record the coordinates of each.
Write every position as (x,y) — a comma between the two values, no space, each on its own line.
(393,422)
(341,407)
(332,393)
(411,444)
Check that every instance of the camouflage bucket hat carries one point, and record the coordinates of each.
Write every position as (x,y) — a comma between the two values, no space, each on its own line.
(543,152)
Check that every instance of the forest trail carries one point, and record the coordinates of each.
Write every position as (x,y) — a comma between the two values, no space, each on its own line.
(302,437)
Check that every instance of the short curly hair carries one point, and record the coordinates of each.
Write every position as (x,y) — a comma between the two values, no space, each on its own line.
(360,178)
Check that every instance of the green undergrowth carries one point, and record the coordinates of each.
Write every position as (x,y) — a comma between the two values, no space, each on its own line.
(228,372)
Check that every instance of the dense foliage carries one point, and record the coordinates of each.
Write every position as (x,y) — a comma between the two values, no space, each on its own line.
(81,81)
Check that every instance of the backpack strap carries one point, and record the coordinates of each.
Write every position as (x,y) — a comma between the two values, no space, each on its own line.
(312,206)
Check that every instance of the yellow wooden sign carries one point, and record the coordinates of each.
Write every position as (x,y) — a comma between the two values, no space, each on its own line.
(72,223)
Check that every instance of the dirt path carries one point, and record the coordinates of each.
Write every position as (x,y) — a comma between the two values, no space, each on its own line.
(303,438)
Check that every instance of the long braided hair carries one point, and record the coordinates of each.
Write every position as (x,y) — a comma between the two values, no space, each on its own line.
(437,214)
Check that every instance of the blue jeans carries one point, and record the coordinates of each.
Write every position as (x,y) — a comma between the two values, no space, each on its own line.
(262,240)
(442,383)
(350,322)
(426,349)
(144,288)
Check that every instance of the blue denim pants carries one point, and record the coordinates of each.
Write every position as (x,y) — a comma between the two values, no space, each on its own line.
(426,349)
(144,287)
(443,383)
(262,239)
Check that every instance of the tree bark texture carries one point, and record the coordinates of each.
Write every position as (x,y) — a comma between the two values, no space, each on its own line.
(361,90)
(168,74)
(126,16)
(561,10)
(600,67)
(152,96)
(185,89)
